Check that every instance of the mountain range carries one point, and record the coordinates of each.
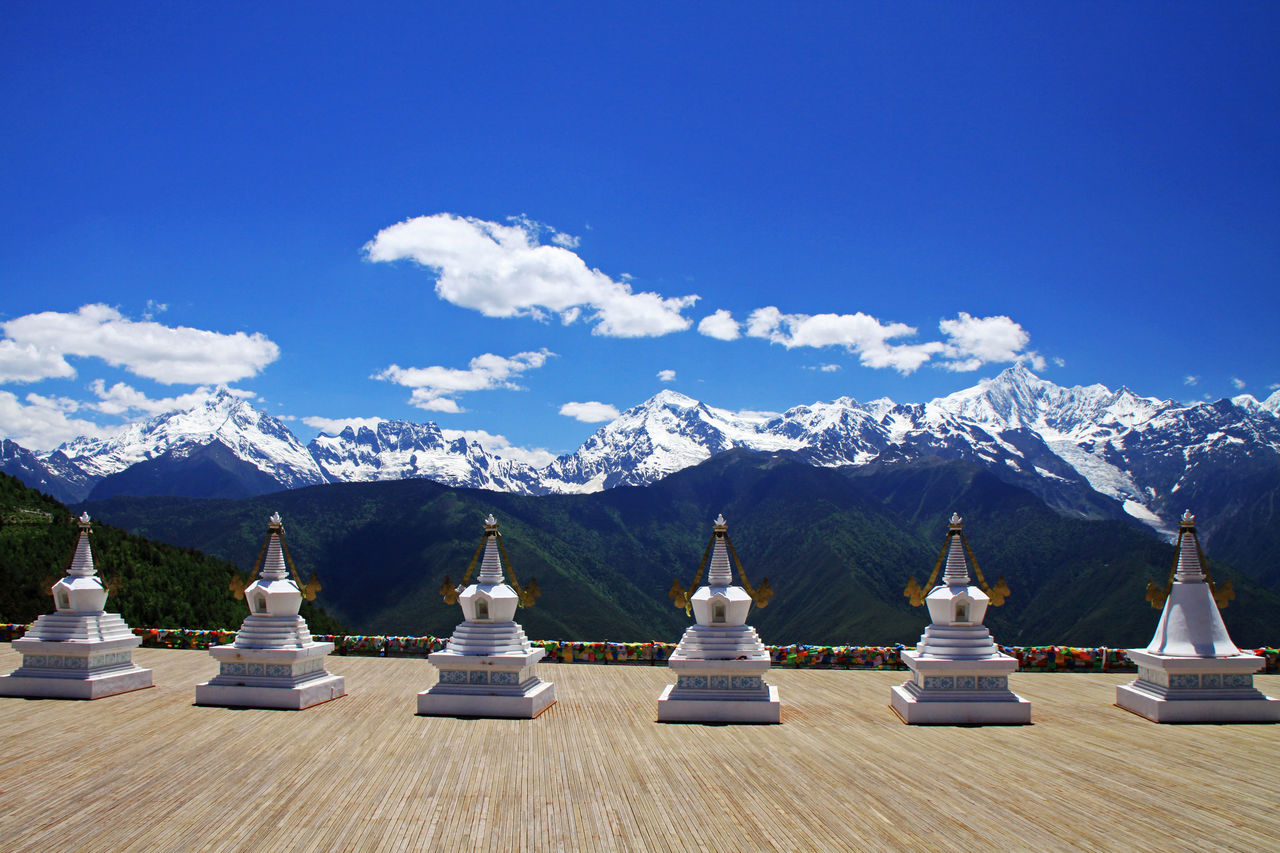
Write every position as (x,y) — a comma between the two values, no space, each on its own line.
(1087,451)
(837,545)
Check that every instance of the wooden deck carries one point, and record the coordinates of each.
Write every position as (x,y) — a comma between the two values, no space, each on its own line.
(150,771)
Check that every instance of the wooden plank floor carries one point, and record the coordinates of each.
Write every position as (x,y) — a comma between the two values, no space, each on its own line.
(150,771)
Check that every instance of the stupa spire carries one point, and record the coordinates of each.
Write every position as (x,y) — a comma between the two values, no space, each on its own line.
(957,570)
(720,573)
(1190,569)
(491,565)
(273,564)
(82,560)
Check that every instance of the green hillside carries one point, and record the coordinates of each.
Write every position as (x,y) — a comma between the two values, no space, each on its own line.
(838,547)
(150,584)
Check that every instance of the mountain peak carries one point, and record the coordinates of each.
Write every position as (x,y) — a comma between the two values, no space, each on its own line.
(1017,374)
(669,398)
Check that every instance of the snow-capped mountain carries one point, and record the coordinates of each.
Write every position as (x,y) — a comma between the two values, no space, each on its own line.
(1088,451)
(667,433)
(252,437)
(400,450)
(54,473)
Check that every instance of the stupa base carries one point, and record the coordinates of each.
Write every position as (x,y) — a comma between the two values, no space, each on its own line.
(720,691)
(75,669)
(445,700)
(1197,690)
(295,698)
(764,708)
(959,691)
(284,678)
(925,709)
(492,685)
(91,687)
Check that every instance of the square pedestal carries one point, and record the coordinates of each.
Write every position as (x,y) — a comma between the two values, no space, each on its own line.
(286,679)
(959,692)
(1197,690)
(719,691)
(502,685)
(75,669)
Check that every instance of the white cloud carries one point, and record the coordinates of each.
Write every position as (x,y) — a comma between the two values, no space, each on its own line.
(154,308)
(124,399)
(168,354)
(503,271)
(499,446)
(666,375)
(970,341)
(435,387)
(859,333)
(1238,383)
(590,412)
(30,363)
(333,426)
(1059,361)
(538,230)
(975,341)
(1190,380)
(720,325)
(823,368)
(43,422)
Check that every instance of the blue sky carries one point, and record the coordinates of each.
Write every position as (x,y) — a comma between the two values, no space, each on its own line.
(404,210)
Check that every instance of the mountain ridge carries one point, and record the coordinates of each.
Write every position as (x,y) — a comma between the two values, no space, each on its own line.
(1087,451)
(838,546)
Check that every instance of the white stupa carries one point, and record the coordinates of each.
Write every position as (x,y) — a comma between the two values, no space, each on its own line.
(1192,672)
(486,670)
(720,662)
(273,662)
(79,651)
(958,673)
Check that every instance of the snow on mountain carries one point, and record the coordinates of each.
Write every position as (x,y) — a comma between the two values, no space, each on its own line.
(253,436)
(665,434)
(55,475)
(1086,450)
(842,432)
(1019,398)
(399,450)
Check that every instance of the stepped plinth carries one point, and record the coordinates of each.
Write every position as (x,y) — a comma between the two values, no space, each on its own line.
(274,662)
(486,669)
(1192,672)
(79,651)
(720,662)
(958,674)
